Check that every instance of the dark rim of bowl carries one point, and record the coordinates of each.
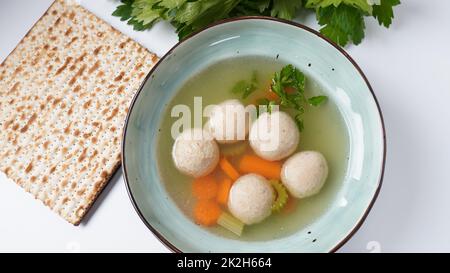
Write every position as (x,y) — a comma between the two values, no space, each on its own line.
(158,235)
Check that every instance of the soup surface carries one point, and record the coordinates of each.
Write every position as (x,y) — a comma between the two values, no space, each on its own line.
(324,131)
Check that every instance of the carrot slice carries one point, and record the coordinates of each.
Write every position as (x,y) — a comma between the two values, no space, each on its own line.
(224,190)
(271,95)
(207,212)
(255,164)
(289,89)
(290,206)
(228,169)
(204,188)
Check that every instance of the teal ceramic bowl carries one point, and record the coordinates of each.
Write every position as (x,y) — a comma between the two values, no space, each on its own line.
(341,79)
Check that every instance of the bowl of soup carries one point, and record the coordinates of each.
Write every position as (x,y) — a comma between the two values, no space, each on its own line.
(254,135)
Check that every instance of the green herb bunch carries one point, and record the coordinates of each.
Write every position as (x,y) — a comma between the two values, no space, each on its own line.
(341,20)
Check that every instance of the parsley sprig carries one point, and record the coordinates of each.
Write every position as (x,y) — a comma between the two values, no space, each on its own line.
(245,88)
(289,85)
(341,20)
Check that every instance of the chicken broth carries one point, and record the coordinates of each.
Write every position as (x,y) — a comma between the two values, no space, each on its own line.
(323,131)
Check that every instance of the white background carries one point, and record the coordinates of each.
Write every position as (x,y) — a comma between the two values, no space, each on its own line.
(409,69)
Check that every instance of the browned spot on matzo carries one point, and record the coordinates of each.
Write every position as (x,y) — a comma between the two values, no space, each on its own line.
(72,15)
(83,155)
(18,70)
(46,144)
(29,122)
(120,89)
(94,67)
(94,153)
(113,114)
(7,170)
(104,174)
(97,50)
(29,167)
(119,77)
(56,101)
(87,104)
(68,31)
(122,45)
(81,191)
(64,66)
(74,39)
(69,113)
(57,21)
(81,58)
(79,73)
(64,183)
(7,123)
(14,88)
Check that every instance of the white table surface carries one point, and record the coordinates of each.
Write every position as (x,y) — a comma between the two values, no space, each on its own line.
(409,69)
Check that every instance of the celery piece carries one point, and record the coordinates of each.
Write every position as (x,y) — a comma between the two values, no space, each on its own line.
(230,223)
(282,196)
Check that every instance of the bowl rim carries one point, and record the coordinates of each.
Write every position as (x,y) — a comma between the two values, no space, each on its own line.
(357,225)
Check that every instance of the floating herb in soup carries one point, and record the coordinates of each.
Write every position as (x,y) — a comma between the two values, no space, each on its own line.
(268,156)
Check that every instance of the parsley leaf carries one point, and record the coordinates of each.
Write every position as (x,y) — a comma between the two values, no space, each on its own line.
(248,8)
(285,9)
(342,24)
(144,12)
(137,25)
(194,15)
(363,5)
(171,4)
(317,100)
(384,12)
(124,11)
(299,121)
(246,88)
